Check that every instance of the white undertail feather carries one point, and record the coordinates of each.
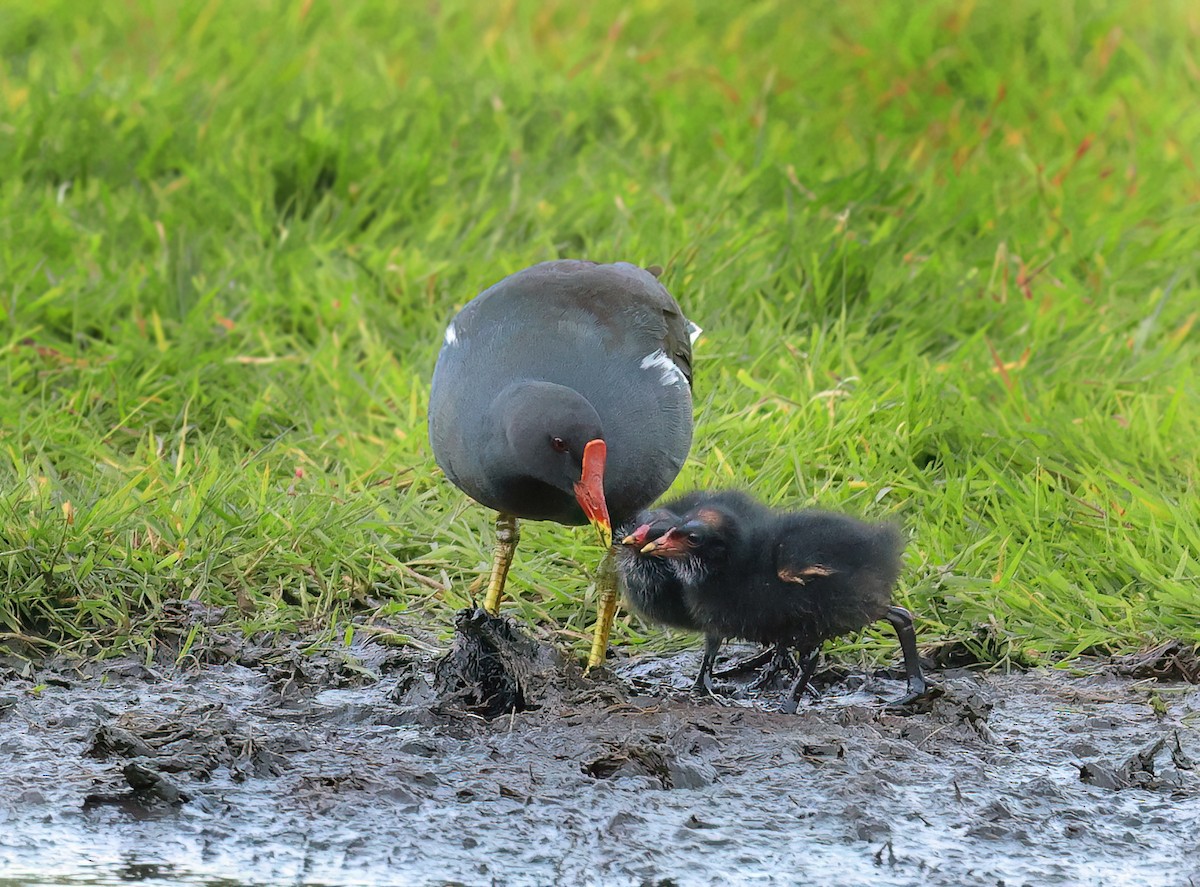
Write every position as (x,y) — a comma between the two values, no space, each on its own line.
(451,334)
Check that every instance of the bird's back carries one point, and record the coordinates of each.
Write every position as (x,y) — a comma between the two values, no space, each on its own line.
(840,571)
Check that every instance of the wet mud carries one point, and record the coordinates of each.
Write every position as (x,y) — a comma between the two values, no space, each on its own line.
(266,762)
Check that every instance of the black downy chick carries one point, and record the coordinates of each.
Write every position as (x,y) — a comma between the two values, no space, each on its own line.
(651,584)
(794,579)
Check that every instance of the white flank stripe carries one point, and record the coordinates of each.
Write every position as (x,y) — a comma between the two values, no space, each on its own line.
(671,374)
(451,334)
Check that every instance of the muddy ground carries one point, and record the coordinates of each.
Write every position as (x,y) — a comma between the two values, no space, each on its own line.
(275,764)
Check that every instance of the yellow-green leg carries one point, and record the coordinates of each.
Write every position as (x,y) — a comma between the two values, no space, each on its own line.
(606,586)
(507,536)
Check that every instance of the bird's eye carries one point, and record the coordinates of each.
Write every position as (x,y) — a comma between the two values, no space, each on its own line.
(693,538)
(559,445)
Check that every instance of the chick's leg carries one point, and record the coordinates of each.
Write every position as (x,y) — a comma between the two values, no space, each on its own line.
(807,667)
(902,621)
(704,681)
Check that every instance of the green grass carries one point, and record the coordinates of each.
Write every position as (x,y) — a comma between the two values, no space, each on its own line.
(946,256)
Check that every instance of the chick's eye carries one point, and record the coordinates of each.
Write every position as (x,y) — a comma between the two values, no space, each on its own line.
(693,538)
(558,444)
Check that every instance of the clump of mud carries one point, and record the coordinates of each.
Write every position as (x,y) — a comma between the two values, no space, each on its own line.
(632,760)
(149,789)
(1160,766)
(495,668)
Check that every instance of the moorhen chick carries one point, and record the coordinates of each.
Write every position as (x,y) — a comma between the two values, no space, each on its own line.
(563,393)
(651,585)
(651,588)
(791,579)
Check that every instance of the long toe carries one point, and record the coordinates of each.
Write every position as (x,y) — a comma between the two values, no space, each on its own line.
(712,694)
(780,664)
(903,701)
(918,691)
(750,663)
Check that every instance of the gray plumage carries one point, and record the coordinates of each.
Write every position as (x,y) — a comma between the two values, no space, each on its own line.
(570,350)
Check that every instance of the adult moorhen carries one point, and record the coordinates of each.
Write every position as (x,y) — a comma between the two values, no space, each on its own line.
(563,393)
(789,579)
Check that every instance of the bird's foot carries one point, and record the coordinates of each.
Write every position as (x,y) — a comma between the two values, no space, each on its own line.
(918,691)
(711,693)
(597,672)
(750,663)
(781,663)
(791,703)
(706,688)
